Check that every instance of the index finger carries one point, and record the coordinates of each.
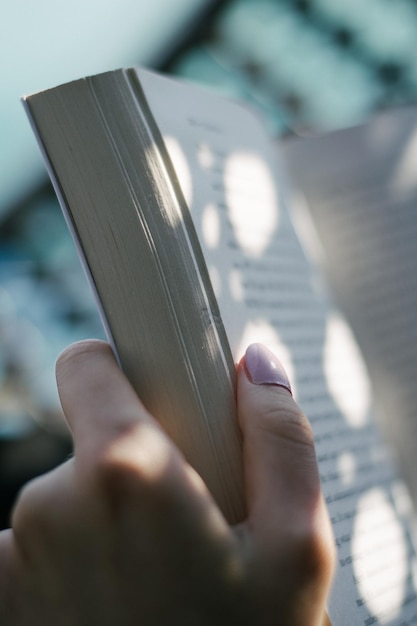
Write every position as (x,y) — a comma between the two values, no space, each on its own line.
(118,443)
(98,401)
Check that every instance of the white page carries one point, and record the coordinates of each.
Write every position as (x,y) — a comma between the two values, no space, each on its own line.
(267,291)
(361,188)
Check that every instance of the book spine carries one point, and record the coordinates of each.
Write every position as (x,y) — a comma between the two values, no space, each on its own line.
(132,228)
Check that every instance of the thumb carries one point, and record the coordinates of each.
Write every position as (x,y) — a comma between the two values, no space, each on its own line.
(279,456)
(285,503)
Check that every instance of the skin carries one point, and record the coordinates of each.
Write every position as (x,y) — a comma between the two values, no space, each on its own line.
(126,533)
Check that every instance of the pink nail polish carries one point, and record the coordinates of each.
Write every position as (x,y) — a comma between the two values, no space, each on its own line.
(264,368)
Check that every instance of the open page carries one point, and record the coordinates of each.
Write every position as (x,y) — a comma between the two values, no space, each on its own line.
(267,291)
(360,185)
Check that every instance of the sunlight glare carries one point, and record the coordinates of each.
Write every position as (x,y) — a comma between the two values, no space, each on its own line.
(182,169)
(346,374)
(210,223)
(379,556)
(346,464)
(251,200)
(142,447)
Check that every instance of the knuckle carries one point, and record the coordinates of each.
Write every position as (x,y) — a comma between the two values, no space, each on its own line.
(114,474)
(128,475)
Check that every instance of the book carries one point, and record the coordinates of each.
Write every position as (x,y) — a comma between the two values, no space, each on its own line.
(197,235)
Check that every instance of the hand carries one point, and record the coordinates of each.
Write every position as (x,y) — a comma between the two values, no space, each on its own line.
(126,533)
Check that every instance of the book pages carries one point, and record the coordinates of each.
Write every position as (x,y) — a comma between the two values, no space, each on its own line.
(360,189)
(268,291)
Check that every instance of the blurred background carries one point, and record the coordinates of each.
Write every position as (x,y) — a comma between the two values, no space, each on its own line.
(307,65)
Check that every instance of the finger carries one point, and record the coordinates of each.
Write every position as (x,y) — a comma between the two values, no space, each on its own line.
(117,442)
(285,502)
(98,401)
(280,461)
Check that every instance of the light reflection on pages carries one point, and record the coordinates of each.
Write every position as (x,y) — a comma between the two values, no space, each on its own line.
(268,291)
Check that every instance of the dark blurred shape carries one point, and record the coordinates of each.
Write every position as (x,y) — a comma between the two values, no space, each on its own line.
(23,458)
